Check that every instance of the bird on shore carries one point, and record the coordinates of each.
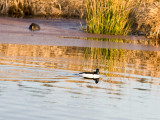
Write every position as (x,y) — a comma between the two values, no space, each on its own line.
(90,75)
(34,27)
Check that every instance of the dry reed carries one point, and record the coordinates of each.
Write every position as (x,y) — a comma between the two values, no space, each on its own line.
(147,17)
(120,16)
(145,13)
(48,8)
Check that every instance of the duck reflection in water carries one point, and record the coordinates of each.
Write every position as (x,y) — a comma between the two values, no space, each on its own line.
(96,80)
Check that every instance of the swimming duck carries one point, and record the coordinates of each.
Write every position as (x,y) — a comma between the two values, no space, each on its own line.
(90,75)
(34,27)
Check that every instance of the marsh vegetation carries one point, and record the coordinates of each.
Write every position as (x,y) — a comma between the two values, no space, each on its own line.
(42,8)
(123,17)
(117,17)
(108,17)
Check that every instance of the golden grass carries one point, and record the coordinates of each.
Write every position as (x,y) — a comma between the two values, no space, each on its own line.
(122,16)
(147,17)
(48,8)
(109,16)
(144,13)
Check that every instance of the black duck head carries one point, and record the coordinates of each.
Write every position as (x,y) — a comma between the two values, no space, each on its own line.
(97,71)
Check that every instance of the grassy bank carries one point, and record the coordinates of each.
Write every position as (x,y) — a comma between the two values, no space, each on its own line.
(108,16)
(121,17)
(147,18)
(117,17)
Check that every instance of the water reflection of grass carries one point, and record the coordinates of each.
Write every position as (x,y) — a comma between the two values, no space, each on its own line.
(107,39)
(143,42)
(123,63)
(111,62)
(103,53)
(107,58)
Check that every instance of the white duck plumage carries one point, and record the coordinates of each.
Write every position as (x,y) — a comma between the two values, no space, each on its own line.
(90,75)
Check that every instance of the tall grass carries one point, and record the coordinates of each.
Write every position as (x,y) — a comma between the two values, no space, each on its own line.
(108,16)
(147,17)
(102,16)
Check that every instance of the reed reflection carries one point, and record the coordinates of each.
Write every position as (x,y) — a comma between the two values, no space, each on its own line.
(111,62)
(132,62)
(151,42)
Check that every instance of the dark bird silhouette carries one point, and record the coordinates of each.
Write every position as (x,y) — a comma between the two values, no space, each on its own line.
(34,27)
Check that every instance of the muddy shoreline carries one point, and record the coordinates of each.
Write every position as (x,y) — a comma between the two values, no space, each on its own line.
(61,32)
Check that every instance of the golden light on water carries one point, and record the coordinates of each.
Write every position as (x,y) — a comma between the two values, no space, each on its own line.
(145,63)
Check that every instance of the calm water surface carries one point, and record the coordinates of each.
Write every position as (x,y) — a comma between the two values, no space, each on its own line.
(40,82)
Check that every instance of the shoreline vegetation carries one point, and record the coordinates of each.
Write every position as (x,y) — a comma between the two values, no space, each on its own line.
(116,17)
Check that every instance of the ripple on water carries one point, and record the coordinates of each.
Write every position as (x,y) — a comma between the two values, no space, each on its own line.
(42,82)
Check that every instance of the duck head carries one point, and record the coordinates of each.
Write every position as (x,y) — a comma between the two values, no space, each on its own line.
(97,71)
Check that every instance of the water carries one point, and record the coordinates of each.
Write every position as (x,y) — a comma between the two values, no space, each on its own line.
(40,82)
(39,73)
